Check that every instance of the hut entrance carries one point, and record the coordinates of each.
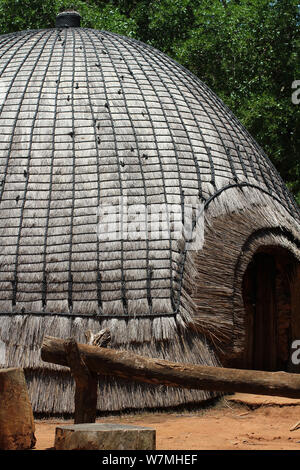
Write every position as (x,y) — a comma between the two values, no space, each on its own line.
(271,292)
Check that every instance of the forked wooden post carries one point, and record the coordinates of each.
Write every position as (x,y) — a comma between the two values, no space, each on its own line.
(85,383)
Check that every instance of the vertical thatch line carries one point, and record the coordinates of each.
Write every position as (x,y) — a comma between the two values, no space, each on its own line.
(145,196)
(73,136)
(241,160)
(18,257)
(97,143)
(121,306)
(19,109)
(44,287)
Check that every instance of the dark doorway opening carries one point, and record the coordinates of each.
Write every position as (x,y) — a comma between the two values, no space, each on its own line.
(271,293)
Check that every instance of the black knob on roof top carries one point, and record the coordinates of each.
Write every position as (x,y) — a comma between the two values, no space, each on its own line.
(68,18)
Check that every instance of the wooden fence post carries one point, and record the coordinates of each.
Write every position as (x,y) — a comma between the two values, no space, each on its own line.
(85,383)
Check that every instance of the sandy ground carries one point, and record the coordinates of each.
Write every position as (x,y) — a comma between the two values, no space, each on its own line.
(241,422)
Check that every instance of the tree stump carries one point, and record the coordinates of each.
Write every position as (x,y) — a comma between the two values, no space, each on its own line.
(104,436)
(16,416)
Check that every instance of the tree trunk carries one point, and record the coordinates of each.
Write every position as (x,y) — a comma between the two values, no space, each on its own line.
(129,366)
(16,417)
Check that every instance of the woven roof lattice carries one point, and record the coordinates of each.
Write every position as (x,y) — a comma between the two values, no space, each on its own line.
(88,118)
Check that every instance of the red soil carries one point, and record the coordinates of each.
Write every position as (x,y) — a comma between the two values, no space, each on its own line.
(256,424)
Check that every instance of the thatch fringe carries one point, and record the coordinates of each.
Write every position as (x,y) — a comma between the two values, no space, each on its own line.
(53,394)
(23,334)
(52,391)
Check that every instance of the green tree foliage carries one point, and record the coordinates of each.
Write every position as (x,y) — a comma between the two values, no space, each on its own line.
(246,51)
(18,15)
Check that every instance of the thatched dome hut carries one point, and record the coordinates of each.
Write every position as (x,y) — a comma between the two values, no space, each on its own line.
(92,121)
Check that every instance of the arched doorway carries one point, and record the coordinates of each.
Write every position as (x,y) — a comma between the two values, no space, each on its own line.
(271,293)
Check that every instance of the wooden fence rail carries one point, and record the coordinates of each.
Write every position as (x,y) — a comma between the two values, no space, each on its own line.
(86,361)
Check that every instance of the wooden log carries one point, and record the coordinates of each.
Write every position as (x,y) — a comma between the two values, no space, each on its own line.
(85,384)
(130,366)
(16,417)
